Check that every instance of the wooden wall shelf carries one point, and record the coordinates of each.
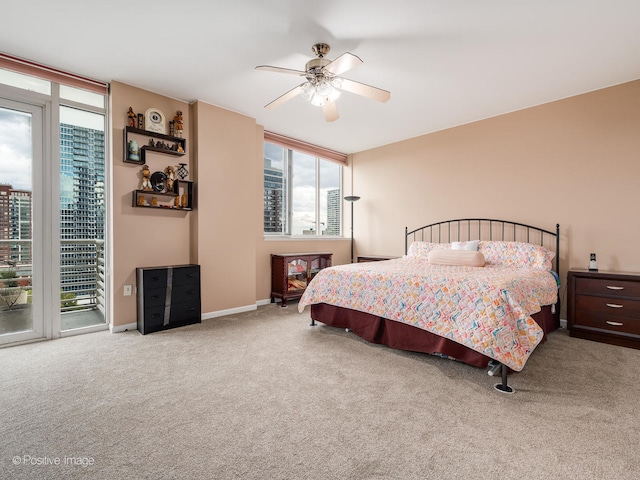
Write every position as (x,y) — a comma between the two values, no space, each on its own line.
(144,148)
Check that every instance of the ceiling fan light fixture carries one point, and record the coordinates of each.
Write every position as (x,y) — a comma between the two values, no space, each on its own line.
(320,93)
(324,84)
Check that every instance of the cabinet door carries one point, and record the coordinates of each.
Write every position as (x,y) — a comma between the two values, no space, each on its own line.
(317,264)
(296,274)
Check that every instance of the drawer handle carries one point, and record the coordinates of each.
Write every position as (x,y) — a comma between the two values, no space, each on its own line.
(615,324)
(612,287)
(614,305)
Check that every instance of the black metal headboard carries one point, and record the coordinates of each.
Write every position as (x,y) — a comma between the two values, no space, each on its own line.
(465,229)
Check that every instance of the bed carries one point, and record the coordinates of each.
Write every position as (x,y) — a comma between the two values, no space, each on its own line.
(481,291)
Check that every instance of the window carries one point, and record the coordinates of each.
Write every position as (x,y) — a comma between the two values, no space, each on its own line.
(302,193)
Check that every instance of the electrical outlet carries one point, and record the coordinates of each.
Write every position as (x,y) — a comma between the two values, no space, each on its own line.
(127,290)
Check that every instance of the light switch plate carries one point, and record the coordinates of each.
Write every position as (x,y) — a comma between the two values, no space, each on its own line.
(127,290)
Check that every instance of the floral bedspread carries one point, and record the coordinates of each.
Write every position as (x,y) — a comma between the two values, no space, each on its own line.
(487,309)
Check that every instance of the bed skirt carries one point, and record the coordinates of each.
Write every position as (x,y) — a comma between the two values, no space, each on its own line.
(407,337)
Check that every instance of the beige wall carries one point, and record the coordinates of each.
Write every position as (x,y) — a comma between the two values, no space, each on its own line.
(224,233)
(575,162)
(226,214)
(142,237)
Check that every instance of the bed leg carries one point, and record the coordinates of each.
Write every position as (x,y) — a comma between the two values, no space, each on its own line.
(313,322)
(503,387)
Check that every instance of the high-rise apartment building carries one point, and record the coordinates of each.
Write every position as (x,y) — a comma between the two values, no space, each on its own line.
(82,204)
(82,183)
(273,198)
(334,203)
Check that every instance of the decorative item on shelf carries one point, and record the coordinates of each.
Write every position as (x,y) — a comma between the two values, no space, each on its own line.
(593,266)
(172,128)
(171,176)
(146,178)
(176,201)
(133,118)
(152,143)
(154,201)
(180,149)
(141,121)
(133,151)
(182,171)
(178,123)
(154,120)
(184,201)
(141,201)
(158,181)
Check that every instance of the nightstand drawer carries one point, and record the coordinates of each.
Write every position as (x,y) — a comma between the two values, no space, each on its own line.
(606,306)
(608,287)
(612,323)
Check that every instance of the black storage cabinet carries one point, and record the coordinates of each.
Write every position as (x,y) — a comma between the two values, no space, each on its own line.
(168,297)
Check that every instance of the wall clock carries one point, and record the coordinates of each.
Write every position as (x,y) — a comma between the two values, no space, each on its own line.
(154,121)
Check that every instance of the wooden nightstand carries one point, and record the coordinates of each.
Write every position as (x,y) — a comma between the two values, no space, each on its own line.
(604,306)
(373,258)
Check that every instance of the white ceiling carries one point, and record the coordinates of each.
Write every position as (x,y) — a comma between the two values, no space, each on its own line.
(445,62)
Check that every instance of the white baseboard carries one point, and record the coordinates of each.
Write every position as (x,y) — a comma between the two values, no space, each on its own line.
(230,311)
(563,323)
(123,328)
(205,316)
(266,301)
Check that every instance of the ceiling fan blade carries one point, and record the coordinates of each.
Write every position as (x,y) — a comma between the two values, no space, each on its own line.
(344,62)
(365,90)
(283,98)
(330,110)
(269,68)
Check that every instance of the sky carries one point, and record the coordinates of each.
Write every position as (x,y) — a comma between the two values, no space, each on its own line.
(15,149)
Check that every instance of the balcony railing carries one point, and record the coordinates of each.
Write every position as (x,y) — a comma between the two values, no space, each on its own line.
(82,272)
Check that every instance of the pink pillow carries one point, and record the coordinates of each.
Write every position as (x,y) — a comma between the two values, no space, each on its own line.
(516,254)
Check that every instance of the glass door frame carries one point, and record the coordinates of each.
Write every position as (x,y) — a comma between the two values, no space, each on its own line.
(46,214)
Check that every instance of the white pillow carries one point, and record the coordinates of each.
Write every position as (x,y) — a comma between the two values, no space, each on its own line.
(470,245)
(456,257)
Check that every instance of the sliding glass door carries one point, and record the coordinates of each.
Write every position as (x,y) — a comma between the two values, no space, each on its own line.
(53,146)
(21,211)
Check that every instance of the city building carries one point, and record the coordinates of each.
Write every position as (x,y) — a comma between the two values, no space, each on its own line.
(273,198)
(15,224)
(334,202)
(82,206)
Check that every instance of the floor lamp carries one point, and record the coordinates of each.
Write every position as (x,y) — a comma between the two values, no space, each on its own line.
(352,200)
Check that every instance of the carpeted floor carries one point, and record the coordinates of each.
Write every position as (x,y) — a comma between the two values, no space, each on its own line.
(262,395)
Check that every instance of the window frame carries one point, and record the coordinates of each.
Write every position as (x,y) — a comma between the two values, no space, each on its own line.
(288,162)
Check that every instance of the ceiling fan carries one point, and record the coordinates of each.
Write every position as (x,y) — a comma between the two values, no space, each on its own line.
(323,83)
